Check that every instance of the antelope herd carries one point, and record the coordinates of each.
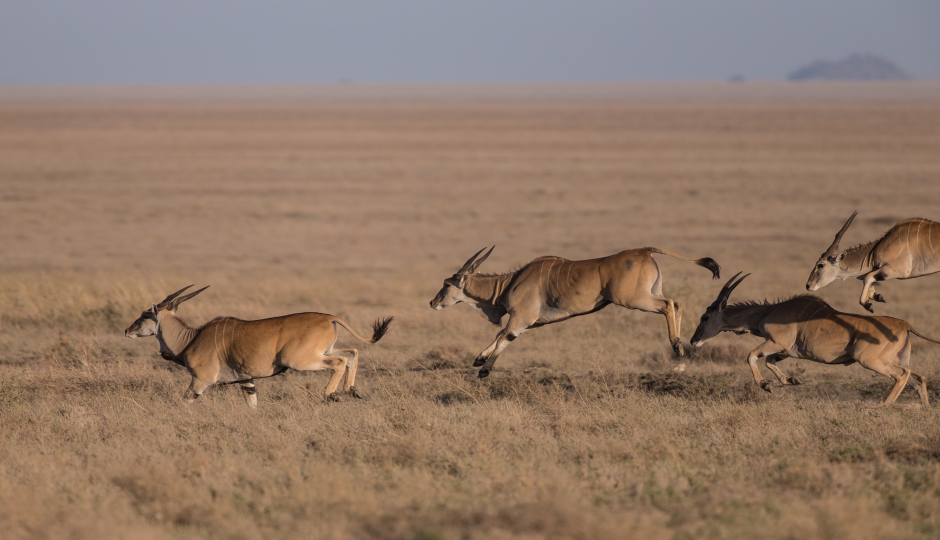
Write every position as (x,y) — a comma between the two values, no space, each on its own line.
(552,289)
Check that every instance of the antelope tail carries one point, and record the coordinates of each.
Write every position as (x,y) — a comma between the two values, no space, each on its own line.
(379,329)
(705,262)
(921,336)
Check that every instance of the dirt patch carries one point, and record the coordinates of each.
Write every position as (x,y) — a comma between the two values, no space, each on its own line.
(444,358)
(910,451)
(452,397)
(854,454)
(719,386)
(716,354)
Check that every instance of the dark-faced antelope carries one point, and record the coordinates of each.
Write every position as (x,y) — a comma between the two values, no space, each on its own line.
(906,251)
(232,351)
(807,327)
(552,289)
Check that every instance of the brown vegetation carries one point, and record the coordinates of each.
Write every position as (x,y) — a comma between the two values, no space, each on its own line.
(585,430)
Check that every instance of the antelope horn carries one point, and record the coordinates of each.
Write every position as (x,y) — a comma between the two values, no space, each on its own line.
(725,292)
(835,243)
(476,264)
(179,301)
(467,265)
(166,301)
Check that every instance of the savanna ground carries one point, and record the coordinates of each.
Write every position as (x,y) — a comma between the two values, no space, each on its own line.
(361,208)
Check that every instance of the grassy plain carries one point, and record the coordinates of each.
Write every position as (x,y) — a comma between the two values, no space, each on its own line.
(360,208)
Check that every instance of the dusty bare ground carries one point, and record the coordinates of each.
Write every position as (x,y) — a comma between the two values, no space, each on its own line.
(361,209)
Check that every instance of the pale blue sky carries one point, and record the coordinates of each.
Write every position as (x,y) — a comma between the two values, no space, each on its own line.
(240,41)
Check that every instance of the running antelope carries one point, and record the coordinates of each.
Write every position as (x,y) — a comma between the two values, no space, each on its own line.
(232,351)
(552,289)
(906,251)
(807,327)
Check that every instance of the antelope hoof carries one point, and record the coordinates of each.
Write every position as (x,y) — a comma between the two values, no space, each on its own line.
(767,386)
(677,346)
(793,381)
(867,306)
(484,373)
(479,361)
(332,397)
(878,298)
(354,393)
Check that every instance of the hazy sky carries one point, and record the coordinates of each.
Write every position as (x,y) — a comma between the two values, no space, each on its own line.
(213,41)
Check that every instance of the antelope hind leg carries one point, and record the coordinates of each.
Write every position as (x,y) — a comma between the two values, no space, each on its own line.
(338,365)
(352,365)
(899,373)
(920,386)
(665,306)
(673,312)
(317,362)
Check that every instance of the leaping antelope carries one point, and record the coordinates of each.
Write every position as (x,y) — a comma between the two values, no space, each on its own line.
(807,327)
(552,289)
(906,251)
(232,351)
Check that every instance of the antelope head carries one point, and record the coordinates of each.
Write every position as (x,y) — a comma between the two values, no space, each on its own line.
(711,323)
(827,268)
(149,321)
(452,291)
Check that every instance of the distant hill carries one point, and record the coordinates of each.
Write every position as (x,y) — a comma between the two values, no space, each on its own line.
(858,67)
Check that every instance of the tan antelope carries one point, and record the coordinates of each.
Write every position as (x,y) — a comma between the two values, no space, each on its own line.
(232,351)
(807,327)
(552,289)
(906,251)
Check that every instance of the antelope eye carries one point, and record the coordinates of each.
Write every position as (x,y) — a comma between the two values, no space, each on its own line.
(820,266)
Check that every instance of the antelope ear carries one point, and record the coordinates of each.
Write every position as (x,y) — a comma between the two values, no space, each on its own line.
(153,309)
(840,257)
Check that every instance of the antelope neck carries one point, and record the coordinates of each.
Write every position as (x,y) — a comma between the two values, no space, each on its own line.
(486,289)
(174,335)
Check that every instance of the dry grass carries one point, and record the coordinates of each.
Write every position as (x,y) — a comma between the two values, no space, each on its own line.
(584,430)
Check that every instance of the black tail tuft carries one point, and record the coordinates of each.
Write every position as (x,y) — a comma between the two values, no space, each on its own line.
(380,328)
(710,263)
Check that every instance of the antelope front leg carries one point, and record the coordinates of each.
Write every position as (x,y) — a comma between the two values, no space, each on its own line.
(766,348)
(771,362)
(488,357)
(482,357)
(196,388)
(501,343)
(865,298)
(868,288)
(251,393)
